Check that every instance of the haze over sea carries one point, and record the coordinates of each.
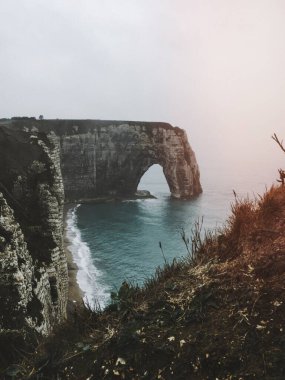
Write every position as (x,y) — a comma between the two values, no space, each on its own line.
(118,241)
(213,68)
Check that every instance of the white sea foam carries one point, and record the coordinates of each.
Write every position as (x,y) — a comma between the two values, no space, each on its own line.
(89,278)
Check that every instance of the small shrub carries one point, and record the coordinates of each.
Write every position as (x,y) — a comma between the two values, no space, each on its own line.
(123,299)
(243,216)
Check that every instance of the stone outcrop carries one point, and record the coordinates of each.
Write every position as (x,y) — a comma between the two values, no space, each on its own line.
(108,158)
(33,269)
(40,159)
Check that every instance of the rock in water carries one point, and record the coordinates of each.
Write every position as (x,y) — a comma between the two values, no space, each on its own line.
(143,194)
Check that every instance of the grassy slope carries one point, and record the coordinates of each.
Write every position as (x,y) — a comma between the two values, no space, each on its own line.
(220,315)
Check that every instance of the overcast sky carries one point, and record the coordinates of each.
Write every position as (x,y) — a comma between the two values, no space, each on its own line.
(213,67)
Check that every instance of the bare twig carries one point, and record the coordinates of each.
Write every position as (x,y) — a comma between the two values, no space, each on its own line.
(282,176)
(160,246)
(185,240)
(280,143)
(281,172)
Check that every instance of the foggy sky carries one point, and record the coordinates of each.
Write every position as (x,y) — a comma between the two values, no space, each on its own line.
(213,67)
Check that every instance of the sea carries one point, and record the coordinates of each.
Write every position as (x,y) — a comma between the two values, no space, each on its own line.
(126,241)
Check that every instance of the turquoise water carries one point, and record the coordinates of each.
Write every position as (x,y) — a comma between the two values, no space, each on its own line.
(119,241)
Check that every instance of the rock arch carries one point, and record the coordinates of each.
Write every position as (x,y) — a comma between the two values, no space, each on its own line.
(101,158)
(109,158)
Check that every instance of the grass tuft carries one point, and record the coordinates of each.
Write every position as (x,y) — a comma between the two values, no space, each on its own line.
(268,203)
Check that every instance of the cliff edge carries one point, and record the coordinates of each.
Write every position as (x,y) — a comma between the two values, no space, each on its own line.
(220,314)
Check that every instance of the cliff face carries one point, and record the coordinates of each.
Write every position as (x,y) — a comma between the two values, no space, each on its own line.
(111,160)
(92,159)
(108,158)
(33,270)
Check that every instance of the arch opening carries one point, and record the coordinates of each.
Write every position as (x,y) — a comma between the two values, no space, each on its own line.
(154,181)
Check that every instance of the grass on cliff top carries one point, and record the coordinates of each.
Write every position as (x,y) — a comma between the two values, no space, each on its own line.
(219,314)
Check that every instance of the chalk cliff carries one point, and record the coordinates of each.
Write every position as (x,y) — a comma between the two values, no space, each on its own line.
(108,158)
(111,159)
(86,159)
(33,269)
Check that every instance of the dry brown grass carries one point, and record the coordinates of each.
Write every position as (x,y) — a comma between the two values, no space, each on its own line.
(220,313)
(270,204)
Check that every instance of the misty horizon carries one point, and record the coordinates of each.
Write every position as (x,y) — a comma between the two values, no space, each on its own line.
(215,69)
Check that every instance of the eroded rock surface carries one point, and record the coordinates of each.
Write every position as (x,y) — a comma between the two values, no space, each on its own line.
(33,270)
(108,158)
(111,160)
(92,159)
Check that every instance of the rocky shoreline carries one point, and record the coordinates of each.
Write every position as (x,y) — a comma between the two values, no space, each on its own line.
(75,293)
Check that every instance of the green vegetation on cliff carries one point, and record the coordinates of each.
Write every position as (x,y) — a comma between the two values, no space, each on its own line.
(217,315)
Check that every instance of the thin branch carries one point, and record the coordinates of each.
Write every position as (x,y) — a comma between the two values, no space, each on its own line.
(280,143)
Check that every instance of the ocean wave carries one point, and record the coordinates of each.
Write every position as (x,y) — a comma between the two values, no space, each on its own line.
(132,200)
(89,278)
